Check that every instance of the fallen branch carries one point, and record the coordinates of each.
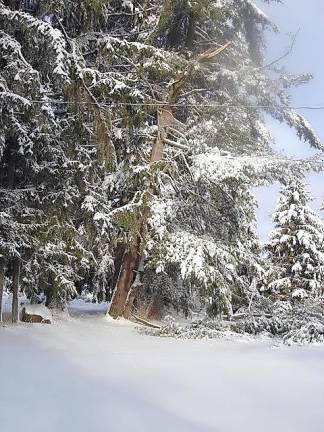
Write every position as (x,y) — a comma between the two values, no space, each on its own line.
(144,322)
(176,144)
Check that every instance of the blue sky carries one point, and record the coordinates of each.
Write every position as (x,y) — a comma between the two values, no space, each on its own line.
(307,57)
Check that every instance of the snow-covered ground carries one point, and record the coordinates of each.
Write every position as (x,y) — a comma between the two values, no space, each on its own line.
(79,307)
(95,374)
(76,308)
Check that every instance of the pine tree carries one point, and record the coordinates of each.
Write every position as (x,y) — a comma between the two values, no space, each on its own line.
(39,242)
(296,246)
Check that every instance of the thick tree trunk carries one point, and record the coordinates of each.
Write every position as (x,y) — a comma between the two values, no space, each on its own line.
(53,300)
(118,261)
(15,290)
(123,297)
(134,289)
(124,282)
(2,274)
(154,309)
(132,293)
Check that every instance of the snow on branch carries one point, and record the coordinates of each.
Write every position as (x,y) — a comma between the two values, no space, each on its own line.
(250,169)
(49,36)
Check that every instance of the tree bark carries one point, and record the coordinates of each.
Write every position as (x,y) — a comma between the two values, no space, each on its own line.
(2,268)
(134,289)
(15,290)
(132,293)
(154,309)
(53,300)
(124,283)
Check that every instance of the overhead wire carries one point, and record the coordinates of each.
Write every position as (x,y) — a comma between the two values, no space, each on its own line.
(176,105)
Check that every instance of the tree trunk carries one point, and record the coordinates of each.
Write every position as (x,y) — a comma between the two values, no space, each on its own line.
(2,268)
(154,309)
(119,253)
(123,299)
(124,283)
(52,296)
(15,290)
(130,300)
(134,289)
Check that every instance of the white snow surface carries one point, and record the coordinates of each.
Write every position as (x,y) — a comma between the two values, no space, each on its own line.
(95,374)
(78,307)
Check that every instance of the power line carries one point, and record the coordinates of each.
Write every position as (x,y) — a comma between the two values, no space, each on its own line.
(179,105)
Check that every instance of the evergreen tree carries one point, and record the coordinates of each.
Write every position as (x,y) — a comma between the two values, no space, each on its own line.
(296,246)
(38,239)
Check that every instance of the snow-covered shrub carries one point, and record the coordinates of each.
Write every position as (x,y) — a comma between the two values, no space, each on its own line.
(311,332)
(209,329)
(290,324)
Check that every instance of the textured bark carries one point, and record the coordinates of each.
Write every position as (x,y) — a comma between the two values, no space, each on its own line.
(124,283)
(2,268)
(53,300)
(136,286)
(164,121)
(126,289)
(15,290)
(130,300)
(154,309)
(118,261)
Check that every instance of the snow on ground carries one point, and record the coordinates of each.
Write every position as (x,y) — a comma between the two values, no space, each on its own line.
(95,374)
(78,307)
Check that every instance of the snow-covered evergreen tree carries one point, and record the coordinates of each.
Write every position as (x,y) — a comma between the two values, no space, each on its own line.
(296,246)
(39,193)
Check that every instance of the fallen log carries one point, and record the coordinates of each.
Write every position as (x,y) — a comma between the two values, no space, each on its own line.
(144,322)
